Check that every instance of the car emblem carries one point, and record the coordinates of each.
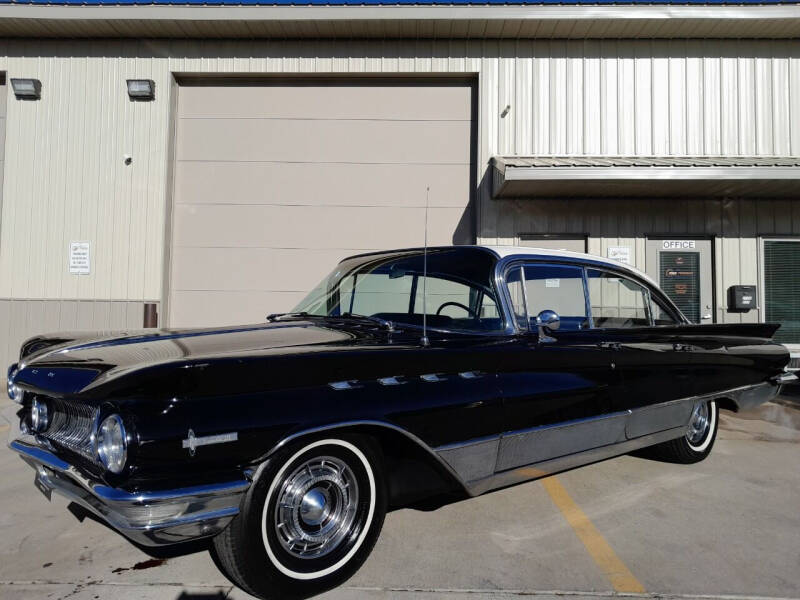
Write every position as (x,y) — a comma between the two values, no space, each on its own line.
(192,442)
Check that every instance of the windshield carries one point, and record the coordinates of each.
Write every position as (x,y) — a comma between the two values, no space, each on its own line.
(459,293)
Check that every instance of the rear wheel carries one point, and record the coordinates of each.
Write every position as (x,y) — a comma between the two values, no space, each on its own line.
(699,439)
(309,521)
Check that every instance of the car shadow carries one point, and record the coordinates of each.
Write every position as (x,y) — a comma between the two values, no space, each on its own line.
(184,595)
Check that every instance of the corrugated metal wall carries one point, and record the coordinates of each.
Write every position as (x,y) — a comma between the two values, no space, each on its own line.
(66,179)
(735,225)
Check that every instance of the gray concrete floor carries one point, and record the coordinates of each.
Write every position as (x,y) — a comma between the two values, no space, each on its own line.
(728,527)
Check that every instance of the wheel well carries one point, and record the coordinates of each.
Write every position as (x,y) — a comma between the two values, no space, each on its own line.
(414,476)
(727,404)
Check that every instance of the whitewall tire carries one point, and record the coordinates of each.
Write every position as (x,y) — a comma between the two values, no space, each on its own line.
(309,521)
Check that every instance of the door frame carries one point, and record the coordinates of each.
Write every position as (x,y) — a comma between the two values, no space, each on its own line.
(713,243)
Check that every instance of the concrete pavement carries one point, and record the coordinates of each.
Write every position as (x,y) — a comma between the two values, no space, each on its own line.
(728,527)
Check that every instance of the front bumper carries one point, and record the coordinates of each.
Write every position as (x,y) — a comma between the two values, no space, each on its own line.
(148,518)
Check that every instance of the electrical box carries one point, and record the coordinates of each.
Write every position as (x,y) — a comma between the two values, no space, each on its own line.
(741,298)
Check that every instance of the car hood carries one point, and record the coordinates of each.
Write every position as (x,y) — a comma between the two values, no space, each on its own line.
(66,363)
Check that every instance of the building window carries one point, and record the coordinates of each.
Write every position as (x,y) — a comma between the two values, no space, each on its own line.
(782,288)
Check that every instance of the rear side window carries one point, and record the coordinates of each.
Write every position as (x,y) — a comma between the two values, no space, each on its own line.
(540,287)
(617,302)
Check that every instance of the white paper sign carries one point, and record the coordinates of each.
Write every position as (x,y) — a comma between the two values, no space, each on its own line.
(79,260)
(620,253)
(677,244)
(552,283)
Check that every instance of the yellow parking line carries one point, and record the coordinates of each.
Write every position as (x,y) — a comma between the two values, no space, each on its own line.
(601,552)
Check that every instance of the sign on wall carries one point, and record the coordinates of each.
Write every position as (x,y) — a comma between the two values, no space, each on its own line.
(79,258)
(620,253)
(677,245)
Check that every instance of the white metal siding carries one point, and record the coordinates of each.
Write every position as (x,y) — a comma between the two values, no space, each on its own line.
(65,178)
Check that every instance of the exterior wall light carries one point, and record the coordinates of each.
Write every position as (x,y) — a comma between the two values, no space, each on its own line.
(141,89)
(27,89)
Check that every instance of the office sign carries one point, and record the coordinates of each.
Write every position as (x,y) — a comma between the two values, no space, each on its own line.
(677,245)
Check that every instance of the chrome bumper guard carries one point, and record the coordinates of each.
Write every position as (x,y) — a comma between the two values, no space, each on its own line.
(148,518)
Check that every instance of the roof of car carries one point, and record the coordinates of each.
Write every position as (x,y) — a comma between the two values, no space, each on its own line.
(504,251)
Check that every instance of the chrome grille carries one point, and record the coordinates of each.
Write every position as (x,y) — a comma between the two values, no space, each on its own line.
(71,425)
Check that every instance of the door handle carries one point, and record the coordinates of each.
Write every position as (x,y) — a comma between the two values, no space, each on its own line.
(707,316)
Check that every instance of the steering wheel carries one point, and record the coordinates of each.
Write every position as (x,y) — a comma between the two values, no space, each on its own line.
(470,312)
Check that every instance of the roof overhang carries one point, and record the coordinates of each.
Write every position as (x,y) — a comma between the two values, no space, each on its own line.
(400,21)
(697,177)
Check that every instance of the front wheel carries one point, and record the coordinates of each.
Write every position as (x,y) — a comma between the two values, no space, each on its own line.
(310,520)
(696,444)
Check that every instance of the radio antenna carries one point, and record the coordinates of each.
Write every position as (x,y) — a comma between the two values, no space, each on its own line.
(425,341)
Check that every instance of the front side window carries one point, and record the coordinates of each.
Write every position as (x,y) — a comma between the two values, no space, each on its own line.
(535,288)
(617,302)
(457,294)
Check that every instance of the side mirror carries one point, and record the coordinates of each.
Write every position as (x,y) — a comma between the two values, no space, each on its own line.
(547,321)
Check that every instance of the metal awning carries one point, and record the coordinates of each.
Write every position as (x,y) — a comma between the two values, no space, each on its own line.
(406,19)
(652,176)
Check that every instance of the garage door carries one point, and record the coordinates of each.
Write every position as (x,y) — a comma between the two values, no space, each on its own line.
(277,181)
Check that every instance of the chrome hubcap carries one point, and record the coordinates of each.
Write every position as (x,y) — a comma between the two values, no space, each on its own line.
(698,425)
(316,507)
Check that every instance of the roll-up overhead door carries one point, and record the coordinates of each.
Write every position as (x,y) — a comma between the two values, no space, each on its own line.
(277,180)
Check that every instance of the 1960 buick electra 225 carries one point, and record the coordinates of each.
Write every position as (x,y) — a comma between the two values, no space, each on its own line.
(405,378)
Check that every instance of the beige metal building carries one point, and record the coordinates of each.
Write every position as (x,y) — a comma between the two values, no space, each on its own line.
(282,138)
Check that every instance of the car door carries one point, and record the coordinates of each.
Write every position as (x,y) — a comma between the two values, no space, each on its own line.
(557,390)
(653,360)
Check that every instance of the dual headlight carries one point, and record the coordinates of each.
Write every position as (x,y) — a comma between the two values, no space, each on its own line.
(14,391)
(111,443)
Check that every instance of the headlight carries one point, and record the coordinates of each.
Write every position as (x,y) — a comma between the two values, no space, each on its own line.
(39,417)
(14,391)
(112,444)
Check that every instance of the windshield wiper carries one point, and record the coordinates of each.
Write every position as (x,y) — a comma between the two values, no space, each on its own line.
(388,325)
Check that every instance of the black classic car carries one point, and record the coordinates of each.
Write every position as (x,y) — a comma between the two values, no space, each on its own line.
(406,378)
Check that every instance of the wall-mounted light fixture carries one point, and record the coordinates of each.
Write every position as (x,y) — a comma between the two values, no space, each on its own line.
(27,89)
(141,89)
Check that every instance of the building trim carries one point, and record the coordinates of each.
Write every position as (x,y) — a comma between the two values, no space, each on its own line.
(428,21)
(400,12)
(623,180)
(648,173)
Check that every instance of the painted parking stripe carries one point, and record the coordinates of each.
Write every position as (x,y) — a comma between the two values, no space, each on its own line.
(622,580)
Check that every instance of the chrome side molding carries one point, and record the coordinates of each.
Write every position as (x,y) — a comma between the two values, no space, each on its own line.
(349,384)
(433,377)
